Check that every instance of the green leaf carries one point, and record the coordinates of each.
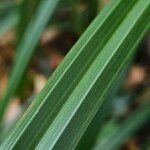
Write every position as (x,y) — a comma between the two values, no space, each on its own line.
(83,103)
(8,16)
(26,48)
(67,104)
(7,6)
(88,139)
(116,138)
(25,16)
(8,22)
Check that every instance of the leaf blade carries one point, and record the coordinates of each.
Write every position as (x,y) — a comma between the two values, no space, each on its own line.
(55,95)
(127,128)
(26,48)
(55,135)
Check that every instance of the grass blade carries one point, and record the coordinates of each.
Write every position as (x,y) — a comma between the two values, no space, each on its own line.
(64,108)
(130,125)
(8,22)
(6,7)
(88,139)
(25,16)
(76,114)
(27,47)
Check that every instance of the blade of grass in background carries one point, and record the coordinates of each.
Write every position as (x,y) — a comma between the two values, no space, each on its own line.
(8,22)
(6,6)
(126,129)
(8,16)
(26,48)
(76,90)
(25,16)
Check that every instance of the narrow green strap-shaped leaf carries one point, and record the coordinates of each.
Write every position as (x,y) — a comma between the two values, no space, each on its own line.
(83,103)
(6,7)
(88,139)
(42,112)
(74,93)
(8,22)
(8,16)
(27,47)
(130,125)
(25,16)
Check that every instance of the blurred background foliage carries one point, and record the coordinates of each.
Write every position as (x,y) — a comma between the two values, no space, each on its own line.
(68,22)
